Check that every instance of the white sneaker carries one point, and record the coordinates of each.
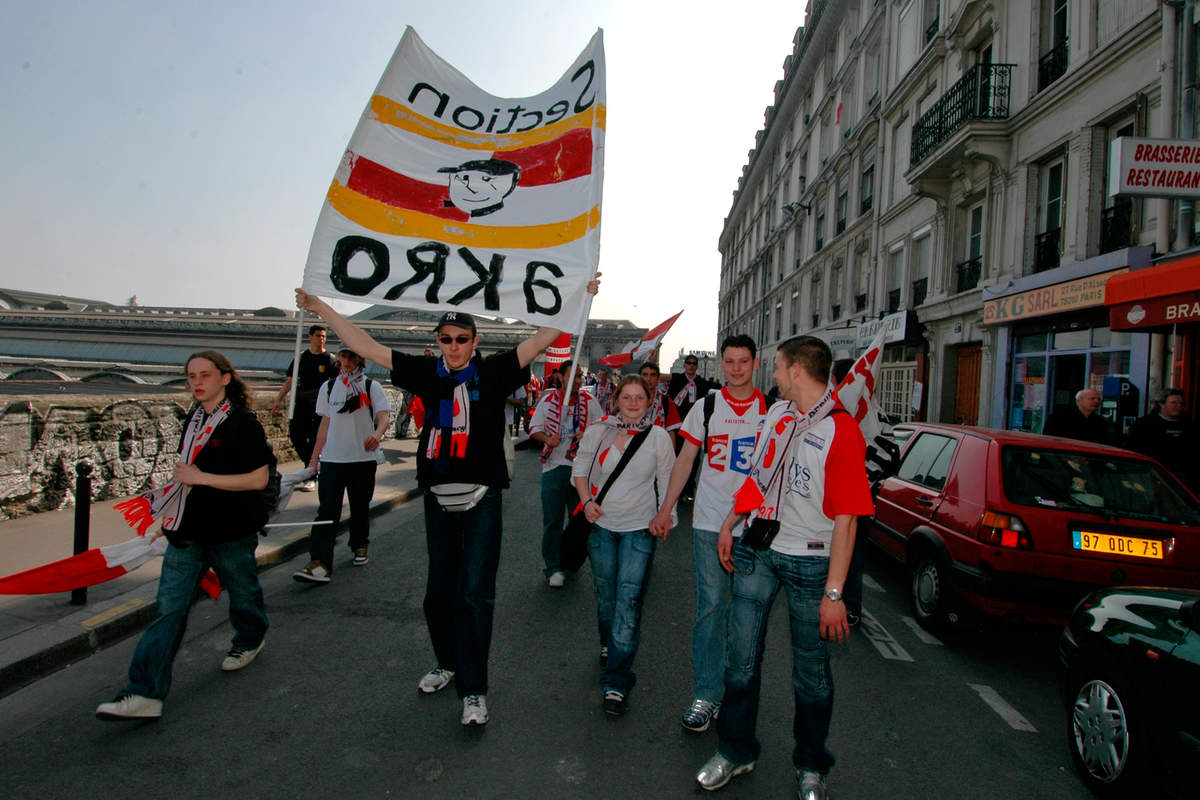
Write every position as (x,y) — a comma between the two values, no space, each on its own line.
(436,680)
(306,486)
(131,706)
(239,658)
(475,710)
(557,580)
(314,572)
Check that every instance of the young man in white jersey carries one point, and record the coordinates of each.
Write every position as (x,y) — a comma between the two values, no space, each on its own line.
(807,487)
(727,438)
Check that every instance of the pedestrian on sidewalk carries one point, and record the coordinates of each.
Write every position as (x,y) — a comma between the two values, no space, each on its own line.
(211,515)
(724,428)
(462,467)
(558,424)
(355,413)
(317,365)
(621,547)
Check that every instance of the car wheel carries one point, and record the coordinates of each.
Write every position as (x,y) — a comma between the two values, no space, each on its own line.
(929,590)
(1099,735)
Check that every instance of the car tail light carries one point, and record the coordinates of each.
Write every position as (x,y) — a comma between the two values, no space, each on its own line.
(1005,530)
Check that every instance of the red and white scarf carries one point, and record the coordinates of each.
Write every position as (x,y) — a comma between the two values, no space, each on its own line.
(688,392)
(166,503)
(553,425)
(762,492)
(347,385)
(658,412)
(613,429)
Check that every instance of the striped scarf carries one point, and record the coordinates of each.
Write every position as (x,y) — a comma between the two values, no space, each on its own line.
(658,412)
(613,428)
(553,427)
(762,493)
(347,385)
(166,503)
(453,421)
(688,393)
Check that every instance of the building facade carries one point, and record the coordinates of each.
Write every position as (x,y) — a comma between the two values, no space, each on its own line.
(940,168)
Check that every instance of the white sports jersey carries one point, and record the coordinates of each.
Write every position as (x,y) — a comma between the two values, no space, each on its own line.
(567,429)
(732,432)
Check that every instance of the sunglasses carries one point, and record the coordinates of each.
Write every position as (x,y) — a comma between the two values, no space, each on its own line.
(449,339)
(691,363)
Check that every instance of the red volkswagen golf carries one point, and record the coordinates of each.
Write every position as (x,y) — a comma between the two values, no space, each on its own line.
(1012,523)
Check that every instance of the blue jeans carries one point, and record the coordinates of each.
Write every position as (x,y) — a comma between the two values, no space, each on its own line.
(558,498)
(182,569)
(757,576)
(712,609)
(355,479)
(621,564)
(460,595)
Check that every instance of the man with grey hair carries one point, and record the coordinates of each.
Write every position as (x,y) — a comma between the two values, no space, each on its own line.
(1080,421)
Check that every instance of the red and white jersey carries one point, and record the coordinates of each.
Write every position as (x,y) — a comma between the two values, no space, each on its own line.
(733,431)
(825,476)
(666,415)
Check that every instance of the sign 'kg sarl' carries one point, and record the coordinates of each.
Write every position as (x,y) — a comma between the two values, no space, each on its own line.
(450,198)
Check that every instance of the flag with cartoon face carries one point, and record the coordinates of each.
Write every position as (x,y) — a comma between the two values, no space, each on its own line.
(450,198)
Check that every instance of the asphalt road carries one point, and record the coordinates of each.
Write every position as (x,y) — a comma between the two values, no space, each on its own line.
(330,709)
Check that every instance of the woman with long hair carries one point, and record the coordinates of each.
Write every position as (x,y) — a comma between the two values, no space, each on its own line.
(620,546)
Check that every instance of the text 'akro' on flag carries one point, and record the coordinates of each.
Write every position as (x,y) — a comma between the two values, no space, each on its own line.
(643,348)
(448,197)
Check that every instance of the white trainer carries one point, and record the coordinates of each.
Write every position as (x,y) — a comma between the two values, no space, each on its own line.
(557,580)
(435,680)
(238,657)
(131,706)
(475,710)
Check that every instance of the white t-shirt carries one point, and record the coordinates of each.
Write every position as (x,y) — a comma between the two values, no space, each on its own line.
(344,439)
(631,502)
(732,433)
(510,411)
(566,428)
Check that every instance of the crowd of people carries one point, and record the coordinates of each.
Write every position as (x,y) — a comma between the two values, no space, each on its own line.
(775,490)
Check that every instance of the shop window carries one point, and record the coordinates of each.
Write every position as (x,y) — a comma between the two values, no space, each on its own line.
(1031,343)
(1104,337)
(1072,340)
(1028,407)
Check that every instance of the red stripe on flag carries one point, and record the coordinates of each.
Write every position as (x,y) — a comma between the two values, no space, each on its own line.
(380,183)
(562,159)
(76,572)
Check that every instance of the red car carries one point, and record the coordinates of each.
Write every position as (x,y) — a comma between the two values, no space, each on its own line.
(1017,524)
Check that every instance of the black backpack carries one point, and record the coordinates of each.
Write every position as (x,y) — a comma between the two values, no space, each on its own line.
(268,496)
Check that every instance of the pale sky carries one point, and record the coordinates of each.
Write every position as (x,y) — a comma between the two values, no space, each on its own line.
(182,154)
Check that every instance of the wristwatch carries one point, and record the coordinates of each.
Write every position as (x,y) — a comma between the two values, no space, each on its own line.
(834,594)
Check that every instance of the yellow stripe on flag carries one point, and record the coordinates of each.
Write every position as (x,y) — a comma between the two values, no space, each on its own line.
(393,221)
(389,112)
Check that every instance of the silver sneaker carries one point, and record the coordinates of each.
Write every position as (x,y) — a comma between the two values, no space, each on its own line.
(719,770)
(131,706)
(435,680)
(475,710)
(812,786)
(700,715)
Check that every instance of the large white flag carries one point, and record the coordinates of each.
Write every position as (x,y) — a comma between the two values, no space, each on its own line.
(450,198)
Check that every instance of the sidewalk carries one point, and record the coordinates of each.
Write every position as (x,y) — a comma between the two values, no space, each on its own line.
(43,633)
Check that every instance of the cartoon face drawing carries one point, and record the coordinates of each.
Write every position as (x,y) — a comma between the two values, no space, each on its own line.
(479,187)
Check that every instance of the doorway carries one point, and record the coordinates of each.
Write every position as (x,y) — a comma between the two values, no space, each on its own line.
(1068,374)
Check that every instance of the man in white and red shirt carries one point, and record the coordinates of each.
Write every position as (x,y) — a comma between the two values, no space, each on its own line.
(666,415)
(806,489)
(558,424)
(725,430)
(602,389)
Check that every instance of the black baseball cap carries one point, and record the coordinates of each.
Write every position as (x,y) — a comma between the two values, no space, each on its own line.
(460,319)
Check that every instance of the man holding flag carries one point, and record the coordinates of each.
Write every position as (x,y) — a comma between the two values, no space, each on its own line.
(461,465)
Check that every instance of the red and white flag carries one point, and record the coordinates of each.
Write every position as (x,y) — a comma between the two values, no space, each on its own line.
(557,353)
(856,392)
(642,349)
(95,566)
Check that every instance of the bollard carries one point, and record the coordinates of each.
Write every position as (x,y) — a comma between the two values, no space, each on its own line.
(83,519)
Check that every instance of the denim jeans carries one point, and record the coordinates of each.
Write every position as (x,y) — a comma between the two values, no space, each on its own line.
(558,499)
(355,479)
(621,564)
(757,576)
(712,609)
(182,569)
(460,595)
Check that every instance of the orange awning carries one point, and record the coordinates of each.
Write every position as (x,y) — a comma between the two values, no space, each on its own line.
(1166,294)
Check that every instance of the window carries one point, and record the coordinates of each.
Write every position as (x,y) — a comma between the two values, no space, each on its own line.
(866,181)
(818,303)
(826,144)
(846,111)
(895,278)
(1116,219)
(906,46)
(922,259)
(798,242)
(1048,242)
(842,204)
(819,213)
(795,312)
(927,461)
(871,75)
(1053,63)
(835,291)
(968,273)
(900,156)
(778,319)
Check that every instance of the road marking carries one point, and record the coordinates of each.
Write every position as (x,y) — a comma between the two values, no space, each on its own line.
(1006,712)
(115,611)
(922,634)
(872,584)
(877,635)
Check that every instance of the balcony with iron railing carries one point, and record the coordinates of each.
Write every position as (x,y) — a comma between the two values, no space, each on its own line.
(1116,225)
(981,94)
(967,274)
(1053,65)
(1046,250)
(893,303)
(920,290)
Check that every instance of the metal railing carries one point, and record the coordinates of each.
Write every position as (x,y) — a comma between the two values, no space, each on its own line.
(967,274)
(1045,250)
(1053,65)
(1116,225)
(920,290)
(982,93)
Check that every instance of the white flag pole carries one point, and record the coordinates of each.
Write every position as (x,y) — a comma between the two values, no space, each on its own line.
(295,366)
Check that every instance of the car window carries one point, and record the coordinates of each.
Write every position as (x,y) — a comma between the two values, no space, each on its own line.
(927,461)
(1097,483)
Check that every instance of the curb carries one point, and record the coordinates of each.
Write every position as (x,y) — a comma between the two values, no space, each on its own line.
(49,650)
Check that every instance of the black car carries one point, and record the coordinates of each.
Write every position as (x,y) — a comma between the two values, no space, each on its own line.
(1131,670)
